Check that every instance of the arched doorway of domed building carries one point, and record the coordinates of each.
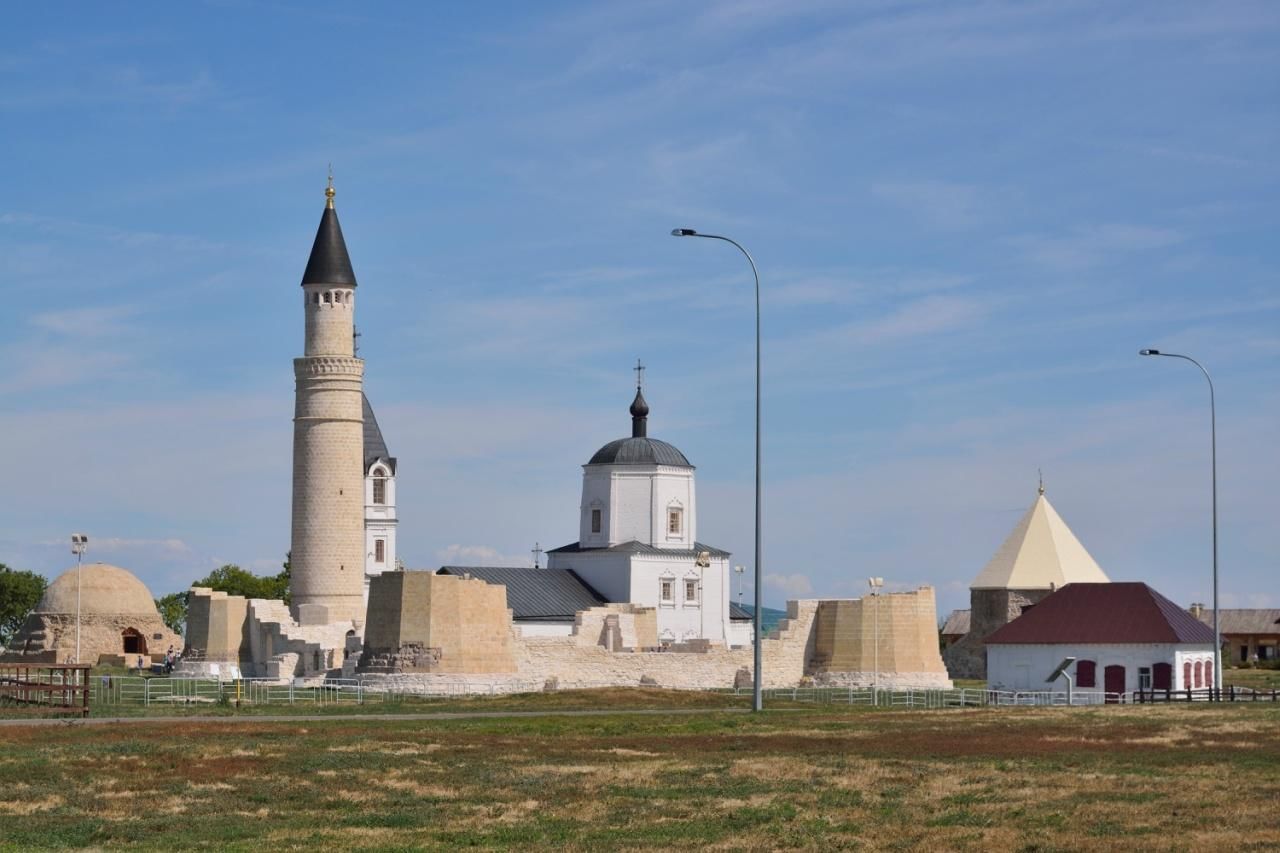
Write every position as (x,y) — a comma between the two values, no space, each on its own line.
(134,642)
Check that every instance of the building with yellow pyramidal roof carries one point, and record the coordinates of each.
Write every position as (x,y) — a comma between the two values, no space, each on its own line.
(1039,556)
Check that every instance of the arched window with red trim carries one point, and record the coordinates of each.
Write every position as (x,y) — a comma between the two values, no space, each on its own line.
(1186,675)
(1199,671)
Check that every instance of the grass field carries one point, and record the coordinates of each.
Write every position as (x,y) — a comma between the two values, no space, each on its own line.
(1148,778)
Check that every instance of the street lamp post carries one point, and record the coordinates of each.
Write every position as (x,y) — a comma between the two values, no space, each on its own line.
(757,701)
(79,543)
(1213,462)
(876,584)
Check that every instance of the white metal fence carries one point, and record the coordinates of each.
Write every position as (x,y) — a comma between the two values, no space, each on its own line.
(134,690)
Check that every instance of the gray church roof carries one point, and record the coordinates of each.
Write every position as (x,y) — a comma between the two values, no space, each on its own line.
(639,450)
(375,447)
(329,262)
(634,547)
(539,595)
(738,614)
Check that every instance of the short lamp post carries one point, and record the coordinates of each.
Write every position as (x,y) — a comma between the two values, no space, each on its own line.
(1213,465)
(876,584)
(757,698)
(79,544)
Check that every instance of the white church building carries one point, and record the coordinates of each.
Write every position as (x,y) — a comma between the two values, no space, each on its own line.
(637,543)
(638,538)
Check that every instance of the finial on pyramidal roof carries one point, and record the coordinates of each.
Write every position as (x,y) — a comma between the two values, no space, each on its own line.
(328,192)
(1041,475)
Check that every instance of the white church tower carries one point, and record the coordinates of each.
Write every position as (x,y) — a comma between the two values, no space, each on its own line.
(637,538)
(328,539)
(379,501)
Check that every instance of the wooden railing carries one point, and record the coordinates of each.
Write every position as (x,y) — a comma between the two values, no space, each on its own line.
(1230,693)
(44,688)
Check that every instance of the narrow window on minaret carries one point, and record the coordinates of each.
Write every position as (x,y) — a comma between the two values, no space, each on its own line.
(595,521)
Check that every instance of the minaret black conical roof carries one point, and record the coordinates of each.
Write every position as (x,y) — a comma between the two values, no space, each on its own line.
(329,262)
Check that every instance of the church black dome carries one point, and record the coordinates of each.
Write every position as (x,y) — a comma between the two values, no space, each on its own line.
(639,450)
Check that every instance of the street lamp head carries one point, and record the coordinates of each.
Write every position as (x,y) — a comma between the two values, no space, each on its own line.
(683,232)
(1148,352)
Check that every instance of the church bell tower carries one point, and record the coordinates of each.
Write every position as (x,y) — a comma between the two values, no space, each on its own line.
(327,552)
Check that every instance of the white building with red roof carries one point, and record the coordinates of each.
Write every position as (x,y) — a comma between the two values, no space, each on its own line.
(1124,637)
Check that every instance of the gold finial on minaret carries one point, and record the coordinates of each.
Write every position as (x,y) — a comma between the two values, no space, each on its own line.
(328,193)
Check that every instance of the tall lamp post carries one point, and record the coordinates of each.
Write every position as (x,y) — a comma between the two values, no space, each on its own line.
(757,700)
(876,584)
(79,543)
(1213,461)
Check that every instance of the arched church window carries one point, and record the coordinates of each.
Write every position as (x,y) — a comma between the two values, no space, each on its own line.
(595,521)
(379,486)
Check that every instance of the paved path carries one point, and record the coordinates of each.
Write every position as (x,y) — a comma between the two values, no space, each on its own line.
(373,717)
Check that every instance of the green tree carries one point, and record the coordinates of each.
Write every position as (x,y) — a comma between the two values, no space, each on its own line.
(234,580)
(173,610)
(20,592)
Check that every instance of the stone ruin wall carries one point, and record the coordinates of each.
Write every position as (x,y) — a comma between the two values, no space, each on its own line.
(989,609)
(431,633)
(890,640)
(444,624)
(53,635)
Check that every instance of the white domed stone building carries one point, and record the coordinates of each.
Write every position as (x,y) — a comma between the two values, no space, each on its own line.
(637,539)
(118,617)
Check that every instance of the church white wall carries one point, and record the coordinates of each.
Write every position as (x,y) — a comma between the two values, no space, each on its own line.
(596,485)
(606,571)
(631,505)
(380,522)
(633,500)
(741,633)
(705,616)
(1025,667)
(544,629)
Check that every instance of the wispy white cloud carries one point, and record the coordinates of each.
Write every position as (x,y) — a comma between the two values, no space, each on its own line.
(940,204)
(792,585)
(479,555)
(1087,246)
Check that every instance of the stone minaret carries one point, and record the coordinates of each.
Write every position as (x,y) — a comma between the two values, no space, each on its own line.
(327,553)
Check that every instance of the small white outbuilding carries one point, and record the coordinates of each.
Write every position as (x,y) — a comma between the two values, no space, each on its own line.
(1124,637)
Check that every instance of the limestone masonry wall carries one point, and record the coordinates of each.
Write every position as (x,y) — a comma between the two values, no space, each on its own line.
(420,621)
(895,633)
(217,627)
(989,609)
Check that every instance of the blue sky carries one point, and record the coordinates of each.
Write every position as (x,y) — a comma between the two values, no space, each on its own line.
(968,218)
